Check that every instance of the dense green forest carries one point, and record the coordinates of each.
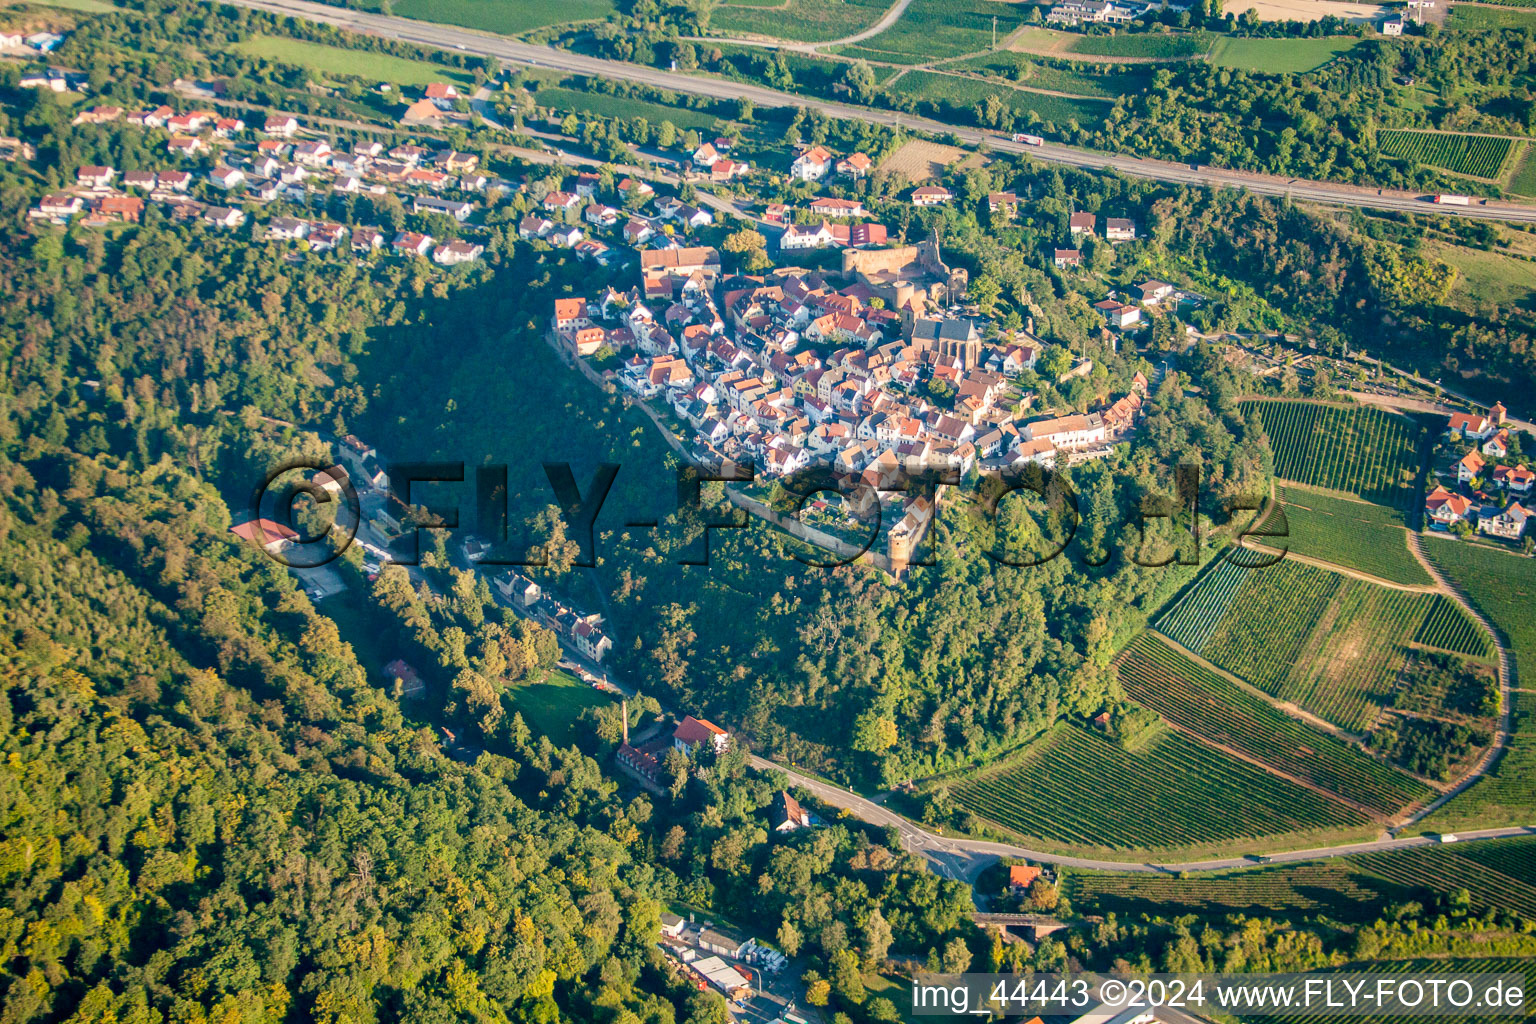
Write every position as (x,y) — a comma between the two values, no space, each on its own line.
(214,808)
(211,809)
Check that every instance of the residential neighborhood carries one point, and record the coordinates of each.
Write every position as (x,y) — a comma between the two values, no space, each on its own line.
(873,371)
(1483,486)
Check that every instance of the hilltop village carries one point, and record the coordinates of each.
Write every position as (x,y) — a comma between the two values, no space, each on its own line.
(874,370)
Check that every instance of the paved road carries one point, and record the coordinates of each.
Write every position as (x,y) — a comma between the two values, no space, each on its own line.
(452,38)
(964,859)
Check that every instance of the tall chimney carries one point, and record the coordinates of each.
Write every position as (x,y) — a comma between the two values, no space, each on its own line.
(624,711)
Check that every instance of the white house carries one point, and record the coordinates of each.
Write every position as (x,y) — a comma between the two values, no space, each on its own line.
(811,165)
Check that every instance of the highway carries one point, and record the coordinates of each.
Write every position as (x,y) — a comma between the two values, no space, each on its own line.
(449,37)
(959,858)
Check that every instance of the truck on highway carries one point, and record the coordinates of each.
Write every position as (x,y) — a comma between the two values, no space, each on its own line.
(1028,140)
(1446,200)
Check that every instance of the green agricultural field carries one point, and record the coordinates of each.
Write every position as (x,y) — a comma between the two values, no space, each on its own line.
(1357,450)
(1499,584)
(1105,81)
(336,60)
(1263,625)
(1279,56)
(1503,796)
(1447,628)
(1503,587)
(1473,18)
(1076,788)
(934,29)
(1146,45)
(1514,858)
(1484,277)
(506,18)
(1195,616)
(1522,177)
(1215,709)
(603,105)
(552,707)
(966,93)
(1369,538)
(1458,965)
(802,21)
(1499,874)
(1481,156)
(83,6)
(1331,644)
(1336,889)
(1440,869)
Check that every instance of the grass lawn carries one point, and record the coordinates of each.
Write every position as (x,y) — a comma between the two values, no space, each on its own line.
(1487,276)
(336,60)
(804,21)
(897,991)
(1278,56)
(552,706)
(507,18)
(1523,181)
(86,6)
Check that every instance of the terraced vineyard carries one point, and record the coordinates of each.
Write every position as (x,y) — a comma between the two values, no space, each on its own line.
(1334,645)
(1458,965)
(1439,869)
(1503,587)
(1195,617)
(1271,620)
(1369,538)
(1356,450)
(1074,787)
(1477,155)
(1513,857)
(1357,888)
(1335,888)
(1214,709)
(1448,628)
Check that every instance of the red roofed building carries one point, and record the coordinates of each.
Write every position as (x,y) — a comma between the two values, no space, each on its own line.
(698,732)
(571,315)
(1519,479)
(410,682)
(1470,424)
(855,166)
(265,533)
(1022,876)
(1469,468)
(1446,509)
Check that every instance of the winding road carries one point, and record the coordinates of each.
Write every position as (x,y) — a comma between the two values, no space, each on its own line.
(958,858)
(1506,677)
(963,859)
(449,37)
